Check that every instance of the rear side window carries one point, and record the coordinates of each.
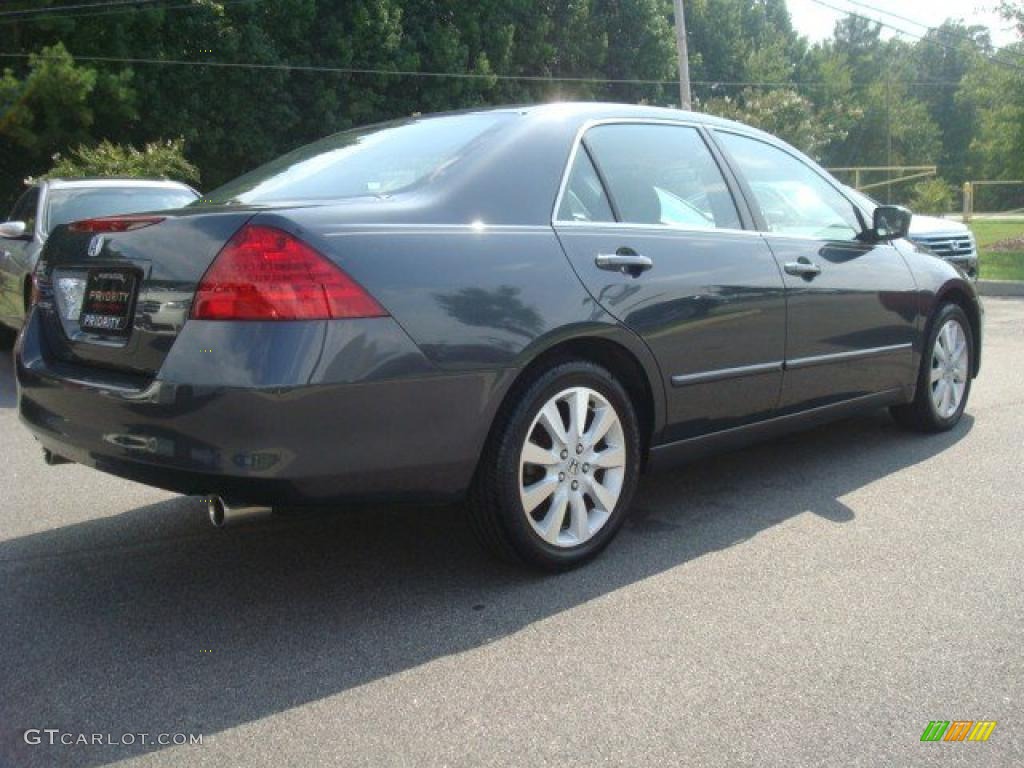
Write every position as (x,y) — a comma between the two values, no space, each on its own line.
(793,197)
(74,204)
(584,198)
(662,175)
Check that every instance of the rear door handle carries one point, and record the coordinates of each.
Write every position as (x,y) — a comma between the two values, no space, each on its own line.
(802,268)
(623,261)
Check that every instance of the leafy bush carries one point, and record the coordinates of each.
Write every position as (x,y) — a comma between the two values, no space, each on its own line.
(932,196)
(159,159)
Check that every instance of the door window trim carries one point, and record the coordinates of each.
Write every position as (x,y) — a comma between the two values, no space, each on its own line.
(743,210)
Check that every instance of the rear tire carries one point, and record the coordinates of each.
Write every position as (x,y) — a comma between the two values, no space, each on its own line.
(559,471)
(944,379)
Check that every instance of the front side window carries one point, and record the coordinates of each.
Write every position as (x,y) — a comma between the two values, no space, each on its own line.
(792,196)
(662,175)
(25,209)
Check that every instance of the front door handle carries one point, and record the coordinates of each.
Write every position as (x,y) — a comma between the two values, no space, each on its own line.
(803,268)
(624,260)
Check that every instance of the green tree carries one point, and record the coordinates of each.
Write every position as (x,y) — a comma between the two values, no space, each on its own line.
(932,196)
(782,112)
(53,105)
(165,159)
(940,62)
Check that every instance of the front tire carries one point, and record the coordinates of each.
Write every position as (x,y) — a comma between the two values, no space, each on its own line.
(944,379)
(558,474)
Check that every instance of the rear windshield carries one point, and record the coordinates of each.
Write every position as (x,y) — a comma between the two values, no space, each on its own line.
(378,161)
(67,205)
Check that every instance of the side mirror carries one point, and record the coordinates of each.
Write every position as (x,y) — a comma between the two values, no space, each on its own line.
(891,222)
(12,230)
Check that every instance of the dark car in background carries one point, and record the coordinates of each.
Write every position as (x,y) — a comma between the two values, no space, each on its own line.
(47,204)
(522,306)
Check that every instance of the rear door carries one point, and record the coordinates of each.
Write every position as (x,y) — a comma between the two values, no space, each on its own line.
(852,304)
(651,225)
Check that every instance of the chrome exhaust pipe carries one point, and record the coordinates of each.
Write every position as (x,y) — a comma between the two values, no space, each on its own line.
(222,513)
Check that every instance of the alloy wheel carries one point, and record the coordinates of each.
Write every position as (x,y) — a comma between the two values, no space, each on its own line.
(572,466)
(949,370)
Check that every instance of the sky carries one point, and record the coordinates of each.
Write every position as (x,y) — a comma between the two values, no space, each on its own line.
(816,21)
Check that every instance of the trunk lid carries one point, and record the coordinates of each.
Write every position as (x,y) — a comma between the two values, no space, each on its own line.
(146,276)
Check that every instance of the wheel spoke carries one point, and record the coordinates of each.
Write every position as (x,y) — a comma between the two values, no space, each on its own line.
(551,420)
(603,420)
(533,495)
(578,406)
(551,525)
(578,521)
(947,395)
(937,374)
(954,399)
(613,456)
(534,454)
(603,497)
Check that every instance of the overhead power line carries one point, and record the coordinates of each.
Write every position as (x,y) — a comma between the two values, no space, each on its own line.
(351,70)
(62,8)
(458,75)
(952,33)
(122,11)
(914,35)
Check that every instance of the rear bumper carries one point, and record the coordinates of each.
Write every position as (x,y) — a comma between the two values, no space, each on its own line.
(368,437)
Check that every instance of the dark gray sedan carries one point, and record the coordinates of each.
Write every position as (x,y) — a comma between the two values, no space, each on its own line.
(522,306)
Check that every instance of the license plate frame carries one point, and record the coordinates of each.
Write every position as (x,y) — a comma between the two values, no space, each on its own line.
(109,301)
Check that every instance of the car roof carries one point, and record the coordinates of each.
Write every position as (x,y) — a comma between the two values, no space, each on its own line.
(586,111)
(113,182)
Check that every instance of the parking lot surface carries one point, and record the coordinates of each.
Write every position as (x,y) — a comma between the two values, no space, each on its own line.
(816,600)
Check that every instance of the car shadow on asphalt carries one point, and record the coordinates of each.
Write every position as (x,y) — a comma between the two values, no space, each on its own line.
(151,621)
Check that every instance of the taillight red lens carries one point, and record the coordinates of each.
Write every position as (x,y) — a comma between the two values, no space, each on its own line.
(114,223)
(264,273)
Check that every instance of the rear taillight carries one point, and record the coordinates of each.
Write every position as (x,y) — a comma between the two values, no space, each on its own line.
(264,273)
(114,223)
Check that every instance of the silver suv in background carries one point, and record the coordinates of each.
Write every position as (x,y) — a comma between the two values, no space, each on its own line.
(52,202)
(951,240)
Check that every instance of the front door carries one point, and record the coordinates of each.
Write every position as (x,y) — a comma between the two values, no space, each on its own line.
(652,228)
(852,303)
(14,256)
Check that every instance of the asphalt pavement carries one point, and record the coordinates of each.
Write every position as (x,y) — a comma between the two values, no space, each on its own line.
(816,600)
